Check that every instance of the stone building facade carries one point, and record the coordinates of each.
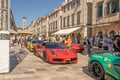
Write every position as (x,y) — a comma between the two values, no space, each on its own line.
(93,17)
(54,20)
(106,17)
(4,16)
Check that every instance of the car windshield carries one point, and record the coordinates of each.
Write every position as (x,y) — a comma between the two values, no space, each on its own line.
(37,41)
(52,45)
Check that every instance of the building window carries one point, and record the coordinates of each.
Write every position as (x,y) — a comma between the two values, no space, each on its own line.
(56,24)
(64,9)
(73,19)
(78,2)
(112,6)
(72,5)
(78,17)
(49,26)
(108,7)
(64,21)
(61,22)
(68,20)
(100,9)
(68,7)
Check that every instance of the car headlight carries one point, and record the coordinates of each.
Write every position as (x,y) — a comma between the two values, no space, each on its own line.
(52,53)
(117,67)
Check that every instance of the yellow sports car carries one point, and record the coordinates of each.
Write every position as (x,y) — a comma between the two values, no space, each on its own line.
(30,44)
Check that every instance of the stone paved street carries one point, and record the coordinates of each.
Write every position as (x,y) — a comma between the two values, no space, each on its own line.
(34,68)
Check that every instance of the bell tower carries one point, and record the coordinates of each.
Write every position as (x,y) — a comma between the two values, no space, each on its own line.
(24,23)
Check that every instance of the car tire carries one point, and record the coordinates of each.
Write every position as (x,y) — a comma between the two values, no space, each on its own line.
(44,57)
(97,70)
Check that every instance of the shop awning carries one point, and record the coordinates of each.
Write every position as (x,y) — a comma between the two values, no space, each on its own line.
(12,31)
(4,32)
(25,32)
(66,31)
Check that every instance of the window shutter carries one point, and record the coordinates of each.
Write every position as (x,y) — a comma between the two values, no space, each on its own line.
(100,10)
(108,7)
(117,5)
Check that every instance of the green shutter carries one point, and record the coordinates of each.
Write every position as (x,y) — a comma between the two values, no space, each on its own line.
(117,5)
(100,10)
(108,7)
(78,2)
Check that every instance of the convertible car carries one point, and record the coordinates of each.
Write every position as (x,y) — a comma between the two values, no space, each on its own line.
(77,48)
(31,44)
(105,66)
(53,53)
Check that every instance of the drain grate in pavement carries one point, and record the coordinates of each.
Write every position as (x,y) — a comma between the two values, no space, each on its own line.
(29,72)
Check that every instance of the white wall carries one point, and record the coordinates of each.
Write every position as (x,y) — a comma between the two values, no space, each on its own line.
(4,56)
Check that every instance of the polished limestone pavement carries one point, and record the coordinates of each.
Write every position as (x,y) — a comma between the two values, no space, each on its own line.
(34,68)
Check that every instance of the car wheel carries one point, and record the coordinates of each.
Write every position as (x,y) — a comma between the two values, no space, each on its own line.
(97,70)
(44,57)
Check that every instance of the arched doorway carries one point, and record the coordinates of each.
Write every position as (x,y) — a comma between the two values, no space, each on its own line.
(100,34)
(112,33)
(79,35)
(73,35)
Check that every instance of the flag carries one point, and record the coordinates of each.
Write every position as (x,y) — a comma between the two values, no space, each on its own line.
(116,28)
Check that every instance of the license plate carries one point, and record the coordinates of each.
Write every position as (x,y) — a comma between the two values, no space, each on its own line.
(67,59)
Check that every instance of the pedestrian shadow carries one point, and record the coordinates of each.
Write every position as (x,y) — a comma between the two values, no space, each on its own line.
(85,70)
(16,58)
(13,61)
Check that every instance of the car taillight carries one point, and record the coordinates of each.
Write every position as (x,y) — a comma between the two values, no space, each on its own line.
(117,67)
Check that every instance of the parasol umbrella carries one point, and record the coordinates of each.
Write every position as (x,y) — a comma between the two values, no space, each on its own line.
(12,31)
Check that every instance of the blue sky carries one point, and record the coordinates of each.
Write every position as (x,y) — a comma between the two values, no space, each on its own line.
(32,9)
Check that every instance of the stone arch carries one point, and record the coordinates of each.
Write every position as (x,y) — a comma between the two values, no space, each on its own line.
(100,34)
(78,35)
(73,35)
(112,33)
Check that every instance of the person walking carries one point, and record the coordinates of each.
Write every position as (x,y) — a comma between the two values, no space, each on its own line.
(54,39)
(81,40)
(105,42)
(88,47)
(110,44)
(21,43)
(97,41)
(116,43)
(69,42)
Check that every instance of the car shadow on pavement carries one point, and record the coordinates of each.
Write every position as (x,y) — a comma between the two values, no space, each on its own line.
(85,70)
(16,58)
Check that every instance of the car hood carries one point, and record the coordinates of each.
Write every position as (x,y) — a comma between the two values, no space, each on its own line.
(63,53)
(106,57)
(116,61)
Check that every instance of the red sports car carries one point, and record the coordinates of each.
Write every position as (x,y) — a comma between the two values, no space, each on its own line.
(52,52)
(77,48)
